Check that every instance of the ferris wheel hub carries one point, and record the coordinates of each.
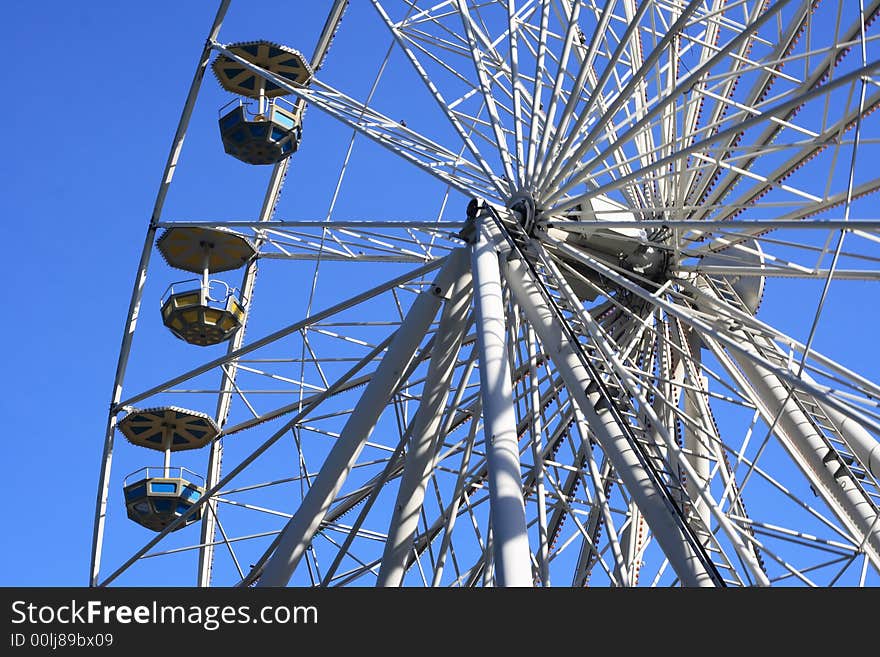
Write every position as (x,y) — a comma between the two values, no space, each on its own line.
(524,208)
(631,248)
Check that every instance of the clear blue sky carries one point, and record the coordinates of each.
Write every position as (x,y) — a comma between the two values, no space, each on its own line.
(92,94)
(86,138)
(93,91)
(77,180)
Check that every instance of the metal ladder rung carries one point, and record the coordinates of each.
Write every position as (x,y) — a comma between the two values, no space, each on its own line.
(727,567)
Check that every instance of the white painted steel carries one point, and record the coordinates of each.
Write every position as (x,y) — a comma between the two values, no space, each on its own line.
(660,145)
(422,450)
(622,454)
(507,514)
(301,528)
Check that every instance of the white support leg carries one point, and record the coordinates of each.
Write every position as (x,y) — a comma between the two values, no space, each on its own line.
(421,454)
(304,524)
(644,492)
(507,511)
(811,452)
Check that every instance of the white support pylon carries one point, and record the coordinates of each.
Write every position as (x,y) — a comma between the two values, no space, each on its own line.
(302,527)
(812,453)
(511,554)
(421,454)
(669,535)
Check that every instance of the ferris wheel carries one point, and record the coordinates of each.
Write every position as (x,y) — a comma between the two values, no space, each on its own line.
(597,313)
